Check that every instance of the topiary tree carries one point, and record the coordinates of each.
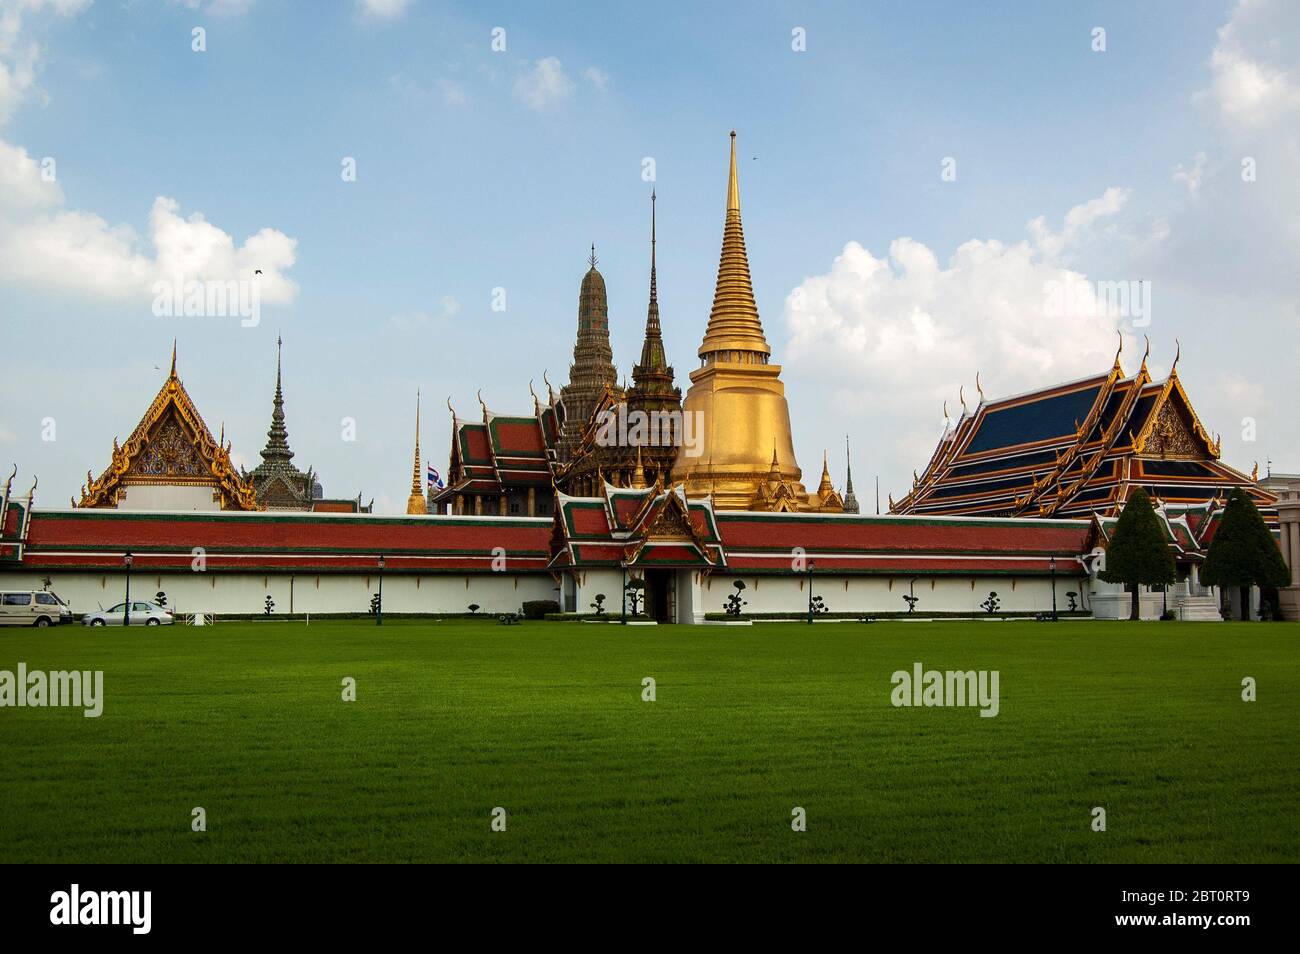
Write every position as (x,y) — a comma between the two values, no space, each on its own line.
(1243,552)
(269,606)
(734,601)
(160,598)
(992,603)
(635,589)
(599,605)
(1138,554)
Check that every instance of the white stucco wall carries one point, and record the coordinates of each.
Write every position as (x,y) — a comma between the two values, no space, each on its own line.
(162,497)
(851,594)
(305,593)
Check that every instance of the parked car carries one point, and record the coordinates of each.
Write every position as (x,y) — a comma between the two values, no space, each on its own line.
(142,614)
(33,608)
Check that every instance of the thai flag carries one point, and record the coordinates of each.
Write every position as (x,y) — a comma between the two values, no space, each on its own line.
(435,480)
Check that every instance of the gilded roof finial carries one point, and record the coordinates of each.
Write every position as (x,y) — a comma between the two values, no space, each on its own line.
(961,396)
(734,325)
(1178,353)
(1147,352)
(1119,351)
(733,184)
(452,409)
(482,405)
(173,371)
(592,260)
(978,388)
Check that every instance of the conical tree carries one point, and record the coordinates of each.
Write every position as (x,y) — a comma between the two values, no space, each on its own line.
(1243,552)
(1138,554)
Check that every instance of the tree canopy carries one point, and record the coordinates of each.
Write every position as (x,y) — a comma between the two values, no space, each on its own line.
(1243,551)
(1138,554)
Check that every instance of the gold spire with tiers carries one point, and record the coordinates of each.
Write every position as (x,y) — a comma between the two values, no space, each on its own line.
(415,503)
(738,395)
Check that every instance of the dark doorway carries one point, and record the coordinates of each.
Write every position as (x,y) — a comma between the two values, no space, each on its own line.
(659,594)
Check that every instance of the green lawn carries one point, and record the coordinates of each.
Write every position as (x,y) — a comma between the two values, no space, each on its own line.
(546,720)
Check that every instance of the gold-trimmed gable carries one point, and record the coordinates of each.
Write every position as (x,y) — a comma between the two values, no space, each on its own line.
(1170,434)
(171,446)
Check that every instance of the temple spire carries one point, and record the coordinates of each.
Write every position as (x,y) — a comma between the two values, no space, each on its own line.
(277,436)
(415,503)
(173,370)
(653,357)
(850,501)
(735,332)
(592,369)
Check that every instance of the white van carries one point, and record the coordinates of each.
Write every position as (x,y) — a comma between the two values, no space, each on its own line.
(32,608)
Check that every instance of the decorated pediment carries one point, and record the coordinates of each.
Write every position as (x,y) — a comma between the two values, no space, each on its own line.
(170,446)
(1172,429)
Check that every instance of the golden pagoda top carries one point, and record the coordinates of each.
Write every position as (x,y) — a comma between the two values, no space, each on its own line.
(735,332)
(416,503)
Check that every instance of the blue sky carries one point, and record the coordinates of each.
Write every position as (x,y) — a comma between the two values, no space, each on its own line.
(479,169)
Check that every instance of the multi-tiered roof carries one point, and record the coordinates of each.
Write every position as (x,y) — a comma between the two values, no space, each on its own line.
(1077,449)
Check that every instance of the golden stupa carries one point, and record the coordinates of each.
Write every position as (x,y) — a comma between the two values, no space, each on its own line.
(745,457)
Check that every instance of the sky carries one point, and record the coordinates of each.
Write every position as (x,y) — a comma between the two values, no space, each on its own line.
(917,181)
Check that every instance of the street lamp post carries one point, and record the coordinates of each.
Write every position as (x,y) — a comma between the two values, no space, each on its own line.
(126,607)
(811,566)
(379,607)
(1052,563)
(623,619)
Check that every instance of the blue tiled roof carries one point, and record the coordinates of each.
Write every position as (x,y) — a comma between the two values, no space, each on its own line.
(1034,421)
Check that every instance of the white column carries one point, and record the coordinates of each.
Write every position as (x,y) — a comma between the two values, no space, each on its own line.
(1295,553)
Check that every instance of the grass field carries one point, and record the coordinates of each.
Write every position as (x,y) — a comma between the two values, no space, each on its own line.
(546,720)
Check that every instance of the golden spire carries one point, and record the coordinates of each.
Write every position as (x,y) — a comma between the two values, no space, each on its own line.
(734,325)
(825,488)
(416,504)
(173,371)
(638,475)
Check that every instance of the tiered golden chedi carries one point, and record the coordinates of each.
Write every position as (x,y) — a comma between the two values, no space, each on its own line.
(746,457)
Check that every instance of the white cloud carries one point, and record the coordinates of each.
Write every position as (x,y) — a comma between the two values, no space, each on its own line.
(453,94)
(44,244)
(19,56)
(1192,176)
(897,335)
(596,77)
(543,83)
(448,308)
(1078,221)
(218,8)
(70,250)
(1255,65)
(383,9)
